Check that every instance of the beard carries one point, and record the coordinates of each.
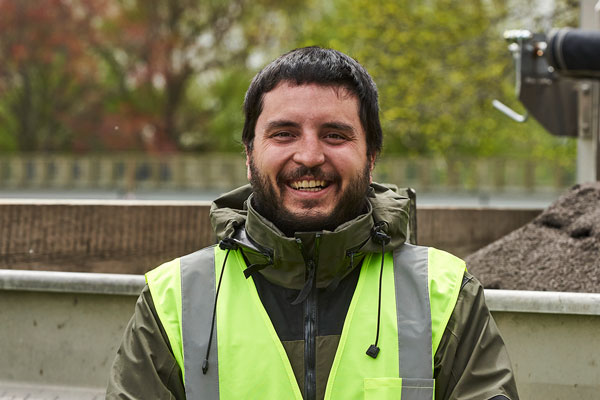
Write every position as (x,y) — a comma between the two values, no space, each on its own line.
(351,203)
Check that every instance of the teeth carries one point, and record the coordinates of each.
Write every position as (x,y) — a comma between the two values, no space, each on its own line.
(311,186)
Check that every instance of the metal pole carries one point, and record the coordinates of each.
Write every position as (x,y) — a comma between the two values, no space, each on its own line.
(588,156)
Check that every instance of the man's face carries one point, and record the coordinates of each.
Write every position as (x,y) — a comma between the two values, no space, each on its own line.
(309,166)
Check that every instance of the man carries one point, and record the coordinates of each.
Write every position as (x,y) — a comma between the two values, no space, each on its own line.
(312,292)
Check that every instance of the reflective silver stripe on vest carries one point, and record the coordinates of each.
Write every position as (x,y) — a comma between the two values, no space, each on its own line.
(413,311)
(197,299)
(417,389)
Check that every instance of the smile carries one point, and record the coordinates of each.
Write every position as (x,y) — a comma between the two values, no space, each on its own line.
(309,185)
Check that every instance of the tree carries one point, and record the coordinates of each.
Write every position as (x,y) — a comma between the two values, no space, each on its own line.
(47,72)
(438,65)
(166,55)
(125,74)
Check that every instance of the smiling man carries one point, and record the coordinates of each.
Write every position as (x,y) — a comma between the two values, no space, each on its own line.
(308,162)
(312,291)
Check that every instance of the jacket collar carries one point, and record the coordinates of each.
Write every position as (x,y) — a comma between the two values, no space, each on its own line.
(335,253)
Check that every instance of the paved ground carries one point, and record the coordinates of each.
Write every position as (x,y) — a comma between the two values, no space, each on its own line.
(23,391)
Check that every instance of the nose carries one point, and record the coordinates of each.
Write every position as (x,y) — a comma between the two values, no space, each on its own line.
(309,151)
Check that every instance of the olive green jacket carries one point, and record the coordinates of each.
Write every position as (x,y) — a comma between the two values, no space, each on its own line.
(471,361)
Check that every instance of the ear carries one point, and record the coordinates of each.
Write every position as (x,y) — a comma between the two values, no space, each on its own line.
(371,166)
(248,172)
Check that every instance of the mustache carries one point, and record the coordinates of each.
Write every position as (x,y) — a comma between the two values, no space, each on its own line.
(303,171)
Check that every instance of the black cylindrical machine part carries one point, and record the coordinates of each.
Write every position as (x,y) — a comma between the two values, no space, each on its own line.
(575,51)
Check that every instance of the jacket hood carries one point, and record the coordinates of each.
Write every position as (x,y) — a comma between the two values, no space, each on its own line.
(335,253)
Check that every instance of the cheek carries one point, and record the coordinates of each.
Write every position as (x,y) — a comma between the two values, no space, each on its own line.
(268,167)
(350,165)
(274,162)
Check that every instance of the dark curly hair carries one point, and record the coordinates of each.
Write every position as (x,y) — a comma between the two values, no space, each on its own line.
(324,67)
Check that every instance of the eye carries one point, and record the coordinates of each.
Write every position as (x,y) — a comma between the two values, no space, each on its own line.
(282,134)
(335,137)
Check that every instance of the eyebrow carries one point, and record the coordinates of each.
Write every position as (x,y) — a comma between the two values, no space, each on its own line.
(284,123)
(340,126)
(281,123)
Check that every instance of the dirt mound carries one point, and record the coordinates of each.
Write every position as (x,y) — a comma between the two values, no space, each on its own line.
(558,251)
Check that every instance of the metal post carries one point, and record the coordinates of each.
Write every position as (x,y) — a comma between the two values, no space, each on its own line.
(588,154)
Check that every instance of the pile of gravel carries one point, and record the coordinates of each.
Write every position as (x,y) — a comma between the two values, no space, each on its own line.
(558,251)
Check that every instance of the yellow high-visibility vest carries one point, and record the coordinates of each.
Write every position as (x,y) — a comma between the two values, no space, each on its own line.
(419,290)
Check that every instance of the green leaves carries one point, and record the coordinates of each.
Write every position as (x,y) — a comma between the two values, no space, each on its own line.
(438,65)
(163,75)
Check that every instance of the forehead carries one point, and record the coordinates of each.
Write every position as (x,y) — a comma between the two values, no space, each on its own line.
(310,101)
(290,88)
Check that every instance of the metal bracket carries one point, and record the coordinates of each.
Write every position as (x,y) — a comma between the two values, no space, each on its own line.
(588,131)
(589,105)
(516,38)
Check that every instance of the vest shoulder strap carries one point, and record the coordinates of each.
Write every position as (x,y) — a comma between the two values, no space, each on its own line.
(445,278)
(427,283)
(164,283)
(199,290)
(191,273)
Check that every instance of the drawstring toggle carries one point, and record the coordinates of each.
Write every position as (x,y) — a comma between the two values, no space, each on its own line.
(228,244)
(378,233)
(373,351)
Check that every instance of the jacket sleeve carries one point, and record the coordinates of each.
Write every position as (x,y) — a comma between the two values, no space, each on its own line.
(471,362)
(144,367)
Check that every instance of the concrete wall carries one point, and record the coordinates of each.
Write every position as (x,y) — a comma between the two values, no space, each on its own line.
(60,332)
(132,237)
(553,342)
(555,357)
(63,339)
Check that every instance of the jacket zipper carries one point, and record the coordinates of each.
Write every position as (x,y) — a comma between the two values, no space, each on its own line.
(310,328)
(310,324)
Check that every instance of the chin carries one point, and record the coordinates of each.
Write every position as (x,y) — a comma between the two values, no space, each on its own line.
(309,213)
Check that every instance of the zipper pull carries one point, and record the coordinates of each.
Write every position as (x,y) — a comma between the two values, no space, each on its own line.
(351,255)
(300,246)
(310,268)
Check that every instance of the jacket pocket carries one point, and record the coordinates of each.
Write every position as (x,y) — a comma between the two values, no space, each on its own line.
(398,388)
